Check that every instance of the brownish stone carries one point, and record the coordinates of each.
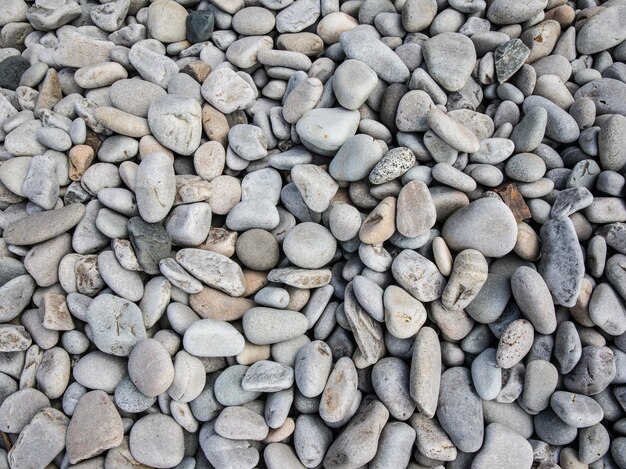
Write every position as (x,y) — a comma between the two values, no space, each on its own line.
(81,157)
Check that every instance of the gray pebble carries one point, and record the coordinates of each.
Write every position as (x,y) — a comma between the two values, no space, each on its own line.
(459,410)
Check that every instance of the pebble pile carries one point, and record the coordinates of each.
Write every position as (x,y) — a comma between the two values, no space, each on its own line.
(287,234)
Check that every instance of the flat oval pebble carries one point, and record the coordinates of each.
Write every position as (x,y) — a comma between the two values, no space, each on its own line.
(268,326)
(212,338)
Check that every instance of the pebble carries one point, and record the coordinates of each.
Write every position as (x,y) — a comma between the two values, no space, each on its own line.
(359,45)
(459,410)
(175,121)
(450,58)
(161,429)
(212,338)
(352,94)
(469,274)
(95,427)
(419,276)
(166,21)
(504,446)
(44,225)
(357,443)
(486,225)
(213,269)
(561,264)
(309,245)
(540,381)
(515,343)
(575,409)
(325,130)
(269,326)
(30,450)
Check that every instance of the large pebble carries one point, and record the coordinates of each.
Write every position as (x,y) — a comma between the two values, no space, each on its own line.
(176,122)
(212,338)
(486,225)
(116,324)
(459,410)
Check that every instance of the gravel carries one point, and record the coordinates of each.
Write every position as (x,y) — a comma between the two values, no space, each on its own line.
(312,233)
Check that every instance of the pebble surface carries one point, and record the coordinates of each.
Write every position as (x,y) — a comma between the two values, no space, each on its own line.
(312,233)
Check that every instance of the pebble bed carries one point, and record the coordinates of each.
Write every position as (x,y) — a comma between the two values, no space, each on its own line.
(337,234)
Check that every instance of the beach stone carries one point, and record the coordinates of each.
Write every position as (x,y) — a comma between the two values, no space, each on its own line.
(593,373)
(150,242)
(350,92)
(175,121)
(297,16)
(425,373)
(110,17)
(594,442)
(325,130)
(607,311)
(515,343)
(263,326)
(533,299)
(248,141)
(199,26)
(540,381)
(167,21)
(606,93)
(129,399)
(213,269)
(189,378)
(503,446)
(40,441)
(360,45)
(472,227)
(97,370)
(268,376)
(116,324)
(135,95)
(561,264)
(415,210)
(157,440)
(227,91)
(95,427)
(459,410)
(418,276)
(356,445)
(611,143)
(469,274)
(212,338)
(18,409)
(450,58)
(390,379)
(576,410)
(313,364)
(561,126)
(248,252)
(155,187)
(393,164)
(417,15)
(150,368)
(240,423)
(602,31)
(315,185)
(309,245)
(509,58)
(11,71)
(43,226)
